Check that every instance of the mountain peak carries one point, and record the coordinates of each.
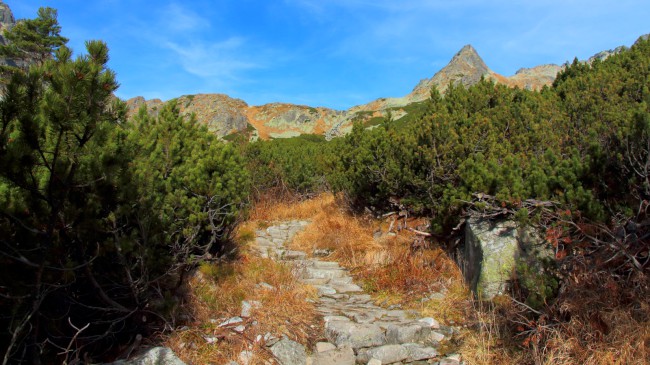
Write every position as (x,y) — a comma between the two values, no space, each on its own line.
(467,58)
(466,68)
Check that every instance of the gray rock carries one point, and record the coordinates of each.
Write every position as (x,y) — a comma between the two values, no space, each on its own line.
(355,335)
(448,361)
(347,288)
(398,334)
(321,252)
(418,352)
(265,286)
(270,340)
(430,322)
(248,306)
(388,354)
(154,356)
(341,356)
(289,352)
(245,357)
(315,273)
(294,255)
(324,290)
(230,321)
(374,362)
(436,336)
(326,265)
(324,346)
(491,252)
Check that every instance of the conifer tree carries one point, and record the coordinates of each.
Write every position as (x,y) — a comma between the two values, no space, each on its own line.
(32,41)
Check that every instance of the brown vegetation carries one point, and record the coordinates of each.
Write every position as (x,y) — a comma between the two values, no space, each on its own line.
(216,292)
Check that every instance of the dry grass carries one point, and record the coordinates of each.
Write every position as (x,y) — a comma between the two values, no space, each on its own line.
(216,294)
(397,269)
(279,207)
(615,334)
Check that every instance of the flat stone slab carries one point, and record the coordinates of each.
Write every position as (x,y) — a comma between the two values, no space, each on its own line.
(341,356)
(418,352)
(387,354)
(398,334)
(355,335)
(289,352)
(326,264)
(347,288)
(325,290)
(315,273)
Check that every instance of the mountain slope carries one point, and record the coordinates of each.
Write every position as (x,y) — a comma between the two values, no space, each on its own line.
(224,115)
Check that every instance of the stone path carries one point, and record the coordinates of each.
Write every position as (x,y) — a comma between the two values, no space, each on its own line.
(356,331)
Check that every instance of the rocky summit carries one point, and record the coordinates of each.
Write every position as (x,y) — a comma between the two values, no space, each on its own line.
(225,116)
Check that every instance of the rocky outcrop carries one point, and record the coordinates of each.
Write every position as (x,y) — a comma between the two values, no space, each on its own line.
(496,252)
(466,68)
(7,21)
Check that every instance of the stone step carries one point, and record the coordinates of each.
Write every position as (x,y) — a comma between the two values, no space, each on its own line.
(326,265)
(314,273)
(294,255)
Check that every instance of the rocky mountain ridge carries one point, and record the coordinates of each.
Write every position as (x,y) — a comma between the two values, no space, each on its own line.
(225,115)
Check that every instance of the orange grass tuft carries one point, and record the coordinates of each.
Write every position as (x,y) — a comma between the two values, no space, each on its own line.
(285,207)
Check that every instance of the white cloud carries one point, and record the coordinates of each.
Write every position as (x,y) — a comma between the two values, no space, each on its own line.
(223,61)
(180,19)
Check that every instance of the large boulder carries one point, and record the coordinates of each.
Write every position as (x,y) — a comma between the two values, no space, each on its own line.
(497,251)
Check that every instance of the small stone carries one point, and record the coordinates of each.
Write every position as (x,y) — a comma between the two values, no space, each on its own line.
(230,321)
(211,339)
(348,288)
(294,255)
(355,335)
(388,354)
(239,329)
(270,340)
(437,296)
(374,362)
(248,306)
(432,323)
(342,356)
(326,265)
(289,352)
(436,336)
(448,361)
(321,252)
(324,346)
(265,286)
(324,290)
(245,357)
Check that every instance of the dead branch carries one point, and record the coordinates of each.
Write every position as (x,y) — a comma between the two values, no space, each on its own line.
(419,233)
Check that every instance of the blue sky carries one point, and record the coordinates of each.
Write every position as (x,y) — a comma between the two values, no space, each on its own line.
(334,53)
